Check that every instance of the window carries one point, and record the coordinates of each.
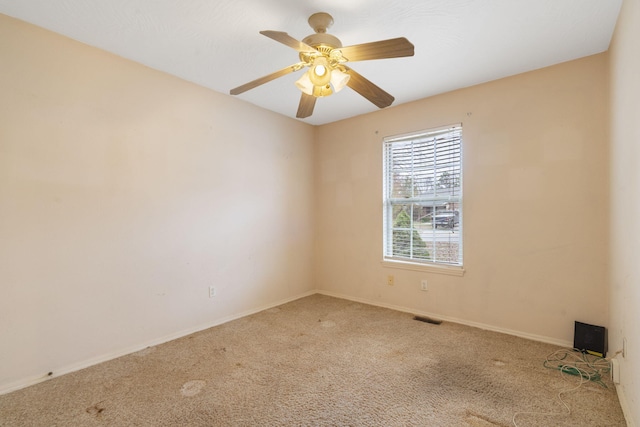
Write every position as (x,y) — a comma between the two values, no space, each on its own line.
(423,197)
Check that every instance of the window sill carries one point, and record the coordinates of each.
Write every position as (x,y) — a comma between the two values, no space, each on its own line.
(431,268)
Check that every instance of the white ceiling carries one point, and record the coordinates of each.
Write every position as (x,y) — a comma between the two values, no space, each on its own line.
(216,44)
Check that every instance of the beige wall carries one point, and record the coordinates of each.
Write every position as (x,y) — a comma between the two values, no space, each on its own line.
(625,204)
(535,204)
(124,194)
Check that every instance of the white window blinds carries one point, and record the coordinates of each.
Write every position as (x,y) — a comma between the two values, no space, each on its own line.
(423,196)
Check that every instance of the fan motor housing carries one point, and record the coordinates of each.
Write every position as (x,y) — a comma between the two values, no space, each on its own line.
(319,39)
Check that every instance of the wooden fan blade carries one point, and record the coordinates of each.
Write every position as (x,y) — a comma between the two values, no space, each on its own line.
(285,38)
(305,108)
(369,90)
(262,80)
(391,48)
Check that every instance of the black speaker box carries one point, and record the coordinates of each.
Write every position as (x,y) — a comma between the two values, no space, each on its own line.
(590,338)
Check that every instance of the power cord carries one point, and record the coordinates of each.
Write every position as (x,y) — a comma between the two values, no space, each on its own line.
(576,363)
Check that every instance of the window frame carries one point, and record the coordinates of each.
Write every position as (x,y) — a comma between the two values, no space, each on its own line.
(412,263)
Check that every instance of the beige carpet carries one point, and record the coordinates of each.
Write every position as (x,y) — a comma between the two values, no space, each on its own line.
(320,361)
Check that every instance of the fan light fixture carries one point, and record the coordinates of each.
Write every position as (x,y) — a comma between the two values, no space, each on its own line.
(316,80)
(304,84)
(320,73)
(339,80)
(320,91)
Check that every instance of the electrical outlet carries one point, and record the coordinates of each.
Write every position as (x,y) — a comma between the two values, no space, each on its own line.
(390,280)
(624,347)
(212,291)
(423,285)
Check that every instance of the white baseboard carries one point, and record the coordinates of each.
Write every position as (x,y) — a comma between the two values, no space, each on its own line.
(624,404)
(26,382)
(533,337)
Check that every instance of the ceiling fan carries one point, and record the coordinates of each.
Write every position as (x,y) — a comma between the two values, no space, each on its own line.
(325,57)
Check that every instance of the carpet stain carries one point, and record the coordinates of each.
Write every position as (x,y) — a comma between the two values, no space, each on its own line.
(327,323)
(477,420)
(499,362)
(396,354)
(96,409)
(191,388)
